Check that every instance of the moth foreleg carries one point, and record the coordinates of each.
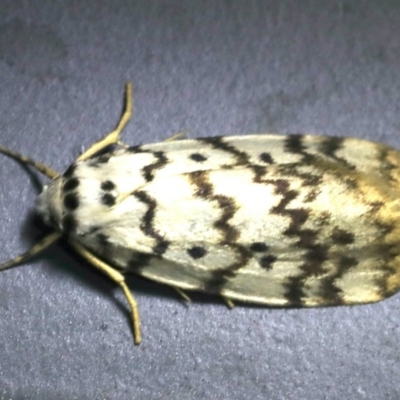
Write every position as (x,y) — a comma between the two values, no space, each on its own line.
(182,294)
(229,303)
(176,136)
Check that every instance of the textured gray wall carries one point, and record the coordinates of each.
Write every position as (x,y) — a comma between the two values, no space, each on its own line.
(213,67)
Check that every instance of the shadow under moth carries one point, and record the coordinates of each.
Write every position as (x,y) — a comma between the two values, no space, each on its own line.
(280,220)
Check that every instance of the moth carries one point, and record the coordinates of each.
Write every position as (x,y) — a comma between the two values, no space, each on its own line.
(279,220)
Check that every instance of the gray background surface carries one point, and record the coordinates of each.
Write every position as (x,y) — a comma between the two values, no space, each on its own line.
(215,68)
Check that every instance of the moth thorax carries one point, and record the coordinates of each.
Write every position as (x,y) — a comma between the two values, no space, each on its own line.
(48,204)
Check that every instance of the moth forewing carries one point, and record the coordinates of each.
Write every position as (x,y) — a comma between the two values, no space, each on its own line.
(227,216)
(279,220)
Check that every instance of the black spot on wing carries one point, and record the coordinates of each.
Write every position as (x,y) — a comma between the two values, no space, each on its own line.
(71,201)
(197,252)
(108,199)
(267,262)
(266,158)
(107,185)
(259,247)
(70,184)
(342,237)
(198,157)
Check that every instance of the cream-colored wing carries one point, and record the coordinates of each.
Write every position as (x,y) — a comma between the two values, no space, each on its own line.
(278,220)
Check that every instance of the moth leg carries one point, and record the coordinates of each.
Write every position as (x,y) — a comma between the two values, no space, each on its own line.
(125,146)
(32,252)
(177,136)
(182,294)
(113,136)
(229,303)
(119,279)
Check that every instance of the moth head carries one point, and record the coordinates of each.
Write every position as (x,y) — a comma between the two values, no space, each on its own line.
(48,204)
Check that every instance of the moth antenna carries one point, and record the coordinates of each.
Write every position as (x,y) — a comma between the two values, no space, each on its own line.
(113,137)
(32,252)
(48,240)
(42,168)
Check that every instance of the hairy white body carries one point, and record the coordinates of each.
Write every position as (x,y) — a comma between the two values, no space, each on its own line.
(281,220)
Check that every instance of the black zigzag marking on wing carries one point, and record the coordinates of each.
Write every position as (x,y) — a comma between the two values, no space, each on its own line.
(217,142)
(387,250)
(330,145)
(147,224)
(161,161)
(331,293)
(294,144)
(387,164)
(229,234)
(316,254)
(149,170)
(135,149)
